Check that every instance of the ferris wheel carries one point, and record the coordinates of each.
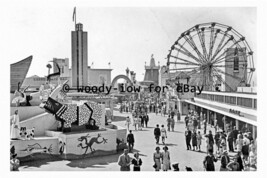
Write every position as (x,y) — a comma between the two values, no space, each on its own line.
(214,53)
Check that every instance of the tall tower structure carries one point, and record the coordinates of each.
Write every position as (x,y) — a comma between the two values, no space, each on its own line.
(236,67)
(79,56)
(152,72)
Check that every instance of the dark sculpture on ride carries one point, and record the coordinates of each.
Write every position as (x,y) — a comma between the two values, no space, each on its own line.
(88,114)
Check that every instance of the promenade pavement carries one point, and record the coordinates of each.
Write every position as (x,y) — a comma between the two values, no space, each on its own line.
(144,144)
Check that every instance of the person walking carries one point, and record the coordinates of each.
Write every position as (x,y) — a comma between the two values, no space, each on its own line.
(137,162)
(15,127)
(172,123)
(169,122)
(157,156)
(217,140)
(186,119)
(166,163)
(130,140)
(157,134)
(199,138)
(194,140)
(209,161)
(188,135)
(211,141)
(230,140)
(239,143)
(146,119)
(135,122)
(235,133)
(142,120)
(224,161)
(128,122)
(163,134)
(195,123)
(124,161)
(178,116)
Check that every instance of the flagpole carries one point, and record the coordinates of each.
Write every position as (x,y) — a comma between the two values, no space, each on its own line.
(75,19)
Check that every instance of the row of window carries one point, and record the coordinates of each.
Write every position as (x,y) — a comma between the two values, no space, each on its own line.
(44,79)
(244,102)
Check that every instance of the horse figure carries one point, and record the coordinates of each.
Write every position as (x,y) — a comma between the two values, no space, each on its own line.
(88,114)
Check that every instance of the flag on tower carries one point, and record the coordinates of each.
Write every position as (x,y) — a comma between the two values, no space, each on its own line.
(74,14)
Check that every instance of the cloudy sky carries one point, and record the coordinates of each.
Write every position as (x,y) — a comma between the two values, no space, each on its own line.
(124,36)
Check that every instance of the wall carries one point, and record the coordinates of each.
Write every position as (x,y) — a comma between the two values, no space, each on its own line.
(26,112)
(41,123)
(27,147)
(92,141)
(94,76)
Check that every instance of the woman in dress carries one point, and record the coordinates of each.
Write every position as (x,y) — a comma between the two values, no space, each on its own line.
(222,144)
(166,163)
(157,156)
(15,128)
(239,143)
(169,122)
(135,122)
(163,134)
(194,140)
(199,138)
(137,162)
(207,143)
(128,122)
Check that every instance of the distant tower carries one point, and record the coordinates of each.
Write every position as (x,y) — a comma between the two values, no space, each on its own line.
(79,56)
(236,67)
(152,72)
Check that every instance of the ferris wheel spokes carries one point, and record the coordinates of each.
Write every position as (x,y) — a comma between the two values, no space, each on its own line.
(188,62)
(201,36)
(212,41)
(193,45)
(235,43)
(186,52)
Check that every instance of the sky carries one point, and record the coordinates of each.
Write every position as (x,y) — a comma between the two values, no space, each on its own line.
(123,36)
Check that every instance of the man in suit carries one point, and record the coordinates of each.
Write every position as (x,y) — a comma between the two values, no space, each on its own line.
(130,140)
(157,134)
(124,161)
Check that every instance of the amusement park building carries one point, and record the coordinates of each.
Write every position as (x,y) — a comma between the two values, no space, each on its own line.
(239,109)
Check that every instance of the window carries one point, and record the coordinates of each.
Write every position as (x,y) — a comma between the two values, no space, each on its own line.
(246,102)
(230,100)
(219,98)
(255,103)
(236,60)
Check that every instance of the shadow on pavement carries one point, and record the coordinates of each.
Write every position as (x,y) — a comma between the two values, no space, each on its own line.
(39,162)
(140,154)
(96,162)
(177,132)
(167,144)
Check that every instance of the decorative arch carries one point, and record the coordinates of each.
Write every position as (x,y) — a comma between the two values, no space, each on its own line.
(119,77)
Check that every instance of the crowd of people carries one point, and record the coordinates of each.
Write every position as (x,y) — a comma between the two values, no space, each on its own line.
(235,141)
(217,145)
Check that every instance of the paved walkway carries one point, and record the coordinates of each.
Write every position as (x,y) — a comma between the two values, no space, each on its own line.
(145,145)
